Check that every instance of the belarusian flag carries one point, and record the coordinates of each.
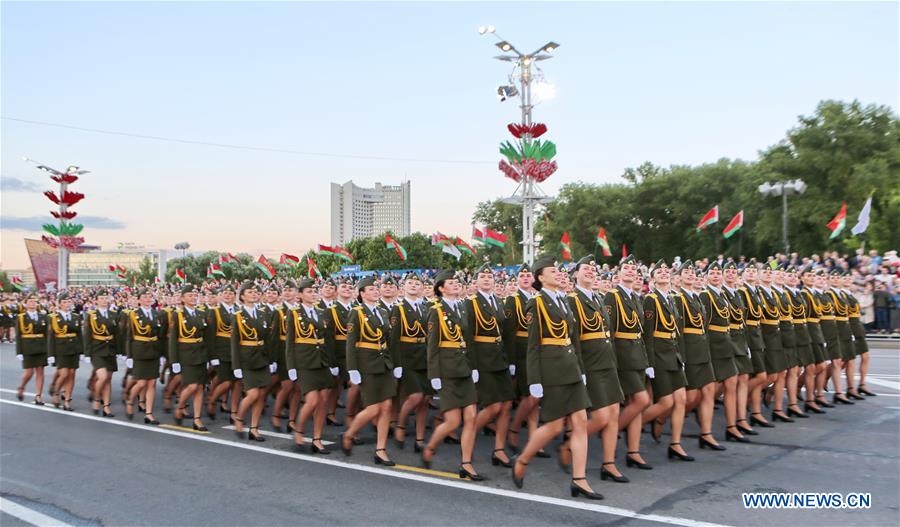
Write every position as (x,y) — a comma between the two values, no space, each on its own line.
(312,270)
(624,250)
(215,270)
(227,258)
(463,246)
(265,267)
(734,225)
(838,223)
(120,272)
(289,259)
(340,252)
(390,243)
(477,235)
(566,248)
(17,283)
(180,276)
(604,243)
(446,244)
(709,218)
(209,273)
(112,268)
(156,280)
(494,238)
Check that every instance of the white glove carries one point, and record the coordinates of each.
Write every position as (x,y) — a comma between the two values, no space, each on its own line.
(749,353)
(584,379)
(650,373)
(120,356)
(292,374)
(355,377)
(334,372)
(84,358)
(435,384)
(20,357)
(273,367)
(398,372)
(129,363)
(475,376)
(176,367)
(162,361)
(512,370)
(214,362)
(536,390)
(238,373)
(51,361)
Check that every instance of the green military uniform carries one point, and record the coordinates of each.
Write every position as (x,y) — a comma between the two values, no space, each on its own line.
(279,323)
(408,345)
(698,367)
(661,340)
(857,329)
(485,321)
(515,337)
(842,321)
(553,359)
(64,342)
(718,329)
(187,347)
(31,339)
(143,330)
(625,322)
(338,314)
(368,334)
(218,338)
(786,326)
(306,350)
(771,331)
(752,327)
(249,353)
(594,343)
(813,324)
(805,355)
(737,330)
(448,358)
(99,339)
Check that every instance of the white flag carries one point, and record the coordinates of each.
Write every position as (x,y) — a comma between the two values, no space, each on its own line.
(451,249)
(862,223)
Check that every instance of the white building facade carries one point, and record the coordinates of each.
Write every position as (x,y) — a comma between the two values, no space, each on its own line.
(358,212)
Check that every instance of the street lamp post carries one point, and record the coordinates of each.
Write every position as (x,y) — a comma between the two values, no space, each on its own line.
(783,189)
(528,194)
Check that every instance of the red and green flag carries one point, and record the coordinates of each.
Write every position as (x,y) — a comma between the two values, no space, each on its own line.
(390,243)
(624,250)
(604,242)
(463,246)
(289,260)
(709,218)
(214,270)
(734,225)
(17,283)
(337,251)
(180,276)
(494,238)
(566,247)
(265,267)
(227,258)
(477,235)
(837,224)
(312,270)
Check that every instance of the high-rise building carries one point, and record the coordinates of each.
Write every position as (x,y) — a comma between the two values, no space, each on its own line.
(358,212)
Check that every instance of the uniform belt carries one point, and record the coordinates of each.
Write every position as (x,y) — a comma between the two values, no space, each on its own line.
(282,338)
(35,336)
(841,319)
(812,320)
(594,335)
(626,336)
(223,334)
(826,317)
(735,326)
(144,339)
(370,345)
(769,322)
(251,342)
(340,337)
(556,342)
(67,335)
(451,344)
(414,340)
(786,319)
(854,316)
(302,340)
(751,322)
(664,334)
(486,339)
(522,334)
(103,338)
(718,329)
(197,341)
(693,331)
(799,321)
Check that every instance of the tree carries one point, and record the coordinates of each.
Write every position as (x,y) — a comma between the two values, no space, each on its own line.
(505,218)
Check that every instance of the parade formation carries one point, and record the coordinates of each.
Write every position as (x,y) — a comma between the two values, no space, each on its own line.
(559,352)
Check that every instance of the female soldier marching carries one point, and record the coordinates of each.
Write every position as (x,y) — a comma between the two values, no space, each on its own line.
(64,346)
(408,344)
(31,346)
(252,365)
(188,354)
(99,344)
(143,328)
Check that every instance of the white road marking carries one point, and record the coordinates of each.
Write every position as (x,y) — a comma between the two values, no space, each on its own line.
(29,515)
(894,385)
(281,435)
(471,487)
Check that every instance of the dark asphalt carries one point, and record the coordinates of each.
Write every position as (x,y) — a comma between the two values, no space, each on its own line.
(84,472)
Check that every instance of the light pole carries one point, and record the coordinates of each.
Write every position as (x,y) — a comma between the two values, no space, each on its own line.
(783,189)
(527,194)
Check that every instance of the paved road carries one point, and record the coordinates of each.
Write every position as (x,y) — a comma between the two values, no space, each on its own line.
(78,469)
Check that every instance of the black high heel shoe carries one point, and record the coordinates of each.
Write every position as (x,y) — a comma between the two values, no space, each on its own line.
(731,436)
(299,446)
(605,474)
(865,391)
(841,399)
(38,401)
(179,420)
(778,415)
(427,462)
(672,453)
(855,395)
(706,443)
(347,450)
(756,421)
(400,444)
(450,440)
(200,427)
(797,412)
(107,413)
(463,473)
(331,420)
(576,491)
(497,461)
(380,461)
(129,410)
(822,401)
(150,420)
(656,430)
(255,437)
(20,393)
(235,420)
(808,408)
(419,445)
(518,482)
(142,407)
(319,449)
(630,462)
(746,430)
(68,407)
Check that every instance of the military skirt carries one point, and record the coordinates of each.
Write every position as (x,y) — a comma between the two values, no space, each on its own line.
(562,400)
(67,361)
(36,360)
(457,392)
(603,388)
(375,387)
(724,368)
(632,381)
(258,378)
(805,355)
(860,345)
(146,369)
(312,380)
(224,371)
(758,359)
(415,381)
(193,374)
(105,362)
(832,349)
(847,350)
(744,364)
(521,377)
(818,351)
(698,375)
(494,387)
(282,371)
(665,382)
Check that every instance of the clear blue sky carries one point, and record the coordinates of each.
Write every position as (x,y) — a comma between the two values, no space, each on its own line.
(670,83)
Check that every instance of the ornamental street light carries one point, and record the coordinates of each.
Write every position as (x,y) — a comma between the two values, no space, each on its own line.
(525,72)
(783,189)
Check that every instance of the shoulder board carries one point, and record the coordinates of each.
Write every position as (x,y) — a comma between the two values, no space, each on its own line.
(357,308)
(651,295)
(573,294)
